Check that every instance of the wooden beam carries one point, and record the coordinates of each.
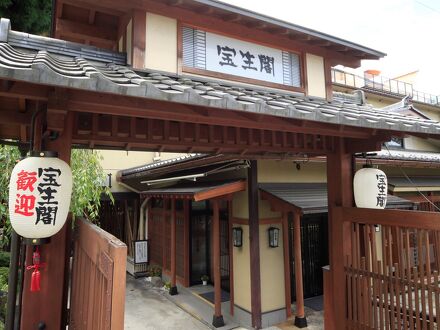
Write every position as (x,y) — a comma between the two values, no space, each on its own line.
(24,90)
(231,259)
(404,218)
(286,254)
(14,117)
(47,305)
(217,320)
(83,101)
(277,204)
(92,15)
(300,318)
(214,24)
(107,35)
(173,288)
(254,245)
(221,191)
(328,80)
(110,10)
(340,193)
(139,35)
(233,18)
(186,241)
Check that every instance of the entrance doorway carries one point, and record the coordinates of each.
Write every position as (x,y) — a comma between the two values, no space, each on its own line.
(314,251)
(201,260)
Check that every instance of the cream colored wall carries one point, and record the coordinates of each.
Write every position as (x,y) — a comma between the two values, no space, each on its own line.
(129,38)
(242,272)
(115,160)
(121,44)
(416,143)
(315,75)
(272,271)
(285,171)
(161,43)
(240,207)
(271,259)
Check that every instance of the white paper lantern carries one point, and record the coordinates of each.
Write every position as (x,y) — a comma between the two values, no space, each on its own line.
(370,188)
(39,195)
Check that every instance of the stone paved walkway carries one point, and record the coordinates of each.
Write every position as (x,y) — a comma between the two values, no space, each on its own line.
(148,307)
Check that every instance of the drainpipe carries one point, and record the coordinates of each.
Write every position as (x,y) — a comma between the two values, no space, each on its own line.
(143,233)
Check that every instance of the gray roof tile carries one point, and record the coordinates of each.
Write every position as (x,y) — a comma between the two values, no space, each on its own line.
(76,72)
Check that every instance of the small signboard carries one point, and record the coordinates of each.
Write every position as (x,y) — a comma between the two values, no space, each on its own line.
(141,252)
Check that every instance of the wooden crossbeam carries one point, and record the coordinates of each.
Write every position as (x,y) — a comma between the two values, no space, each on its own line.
(82,101)
(107,35)
(155,134)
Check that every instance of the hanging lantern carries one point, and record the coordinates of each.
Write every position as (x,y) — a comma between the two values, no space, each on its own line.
(370,188)
(39,195)
(237,236)
(274,237)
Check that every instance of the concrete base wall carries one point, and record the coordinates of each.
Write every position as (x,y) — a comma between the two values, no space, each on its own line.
(244,317)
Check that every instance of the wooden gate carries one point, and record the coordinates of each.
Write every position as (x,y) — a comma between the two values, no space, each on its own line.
(392,273)
(98,279)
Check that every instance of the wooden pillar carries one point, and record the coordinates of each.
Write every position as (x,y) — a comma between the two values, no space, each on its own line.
(340,193)
(217,320)
(47,307)
(300,319)
(254,245)
(173,288)
(231,260)
(164,234)
(186,247)
(139,35)
(286,265)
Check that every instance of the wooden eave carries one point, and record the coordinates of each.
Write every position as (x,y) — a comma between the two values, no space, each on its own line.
(212,16)
(210,192)
(129,123)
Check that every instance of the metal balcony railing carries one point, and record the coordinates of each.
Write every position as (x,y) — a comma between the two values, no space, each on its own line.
(383,84)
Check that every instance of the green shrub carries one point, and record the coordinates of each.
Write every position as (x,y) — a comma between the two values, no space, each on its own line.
(4,274)
(4,258)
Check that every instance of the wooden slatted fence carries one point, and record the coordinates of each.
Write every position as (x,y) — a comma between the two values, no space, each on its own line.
(392,271)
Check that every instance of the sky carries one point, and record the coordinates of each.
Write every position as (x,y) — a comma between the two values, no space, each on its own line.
(408,31)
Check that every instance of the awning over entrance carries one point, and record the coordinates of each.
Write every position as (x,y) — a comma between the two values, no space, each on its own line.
(311,198)
(198,191)
(418,183)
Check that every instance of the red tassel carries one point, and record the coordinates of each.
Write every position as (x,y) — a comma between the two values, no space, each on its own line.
(35,280)
(36,276)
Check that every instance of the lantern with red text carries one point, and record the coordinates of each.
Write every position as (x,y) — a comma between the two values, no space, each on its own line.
(39,195)
(370,188)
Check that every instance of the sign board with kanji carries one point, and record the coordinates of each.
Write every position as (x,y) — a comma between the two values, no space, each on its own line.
(39,196)
(141,252)
(233,57)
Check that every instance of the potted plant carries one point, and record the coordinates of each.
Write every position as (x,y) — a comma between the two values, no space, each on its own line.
(205,279)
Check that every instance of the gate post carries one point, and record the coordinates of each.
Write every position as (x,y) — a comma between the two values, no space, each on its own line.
(48,305)
(340,193)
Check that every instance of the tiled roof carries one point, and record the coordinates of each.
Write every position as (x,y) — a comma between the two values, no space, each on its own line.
(312,197)
(42,67)
(166,162)
(408,155)
(415,182)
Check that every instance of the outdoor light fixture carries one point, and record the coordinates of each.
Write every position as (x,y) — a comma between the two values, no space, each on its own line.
(39,195)
(237,236)
(39,199)
(274,237)
(370,188)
